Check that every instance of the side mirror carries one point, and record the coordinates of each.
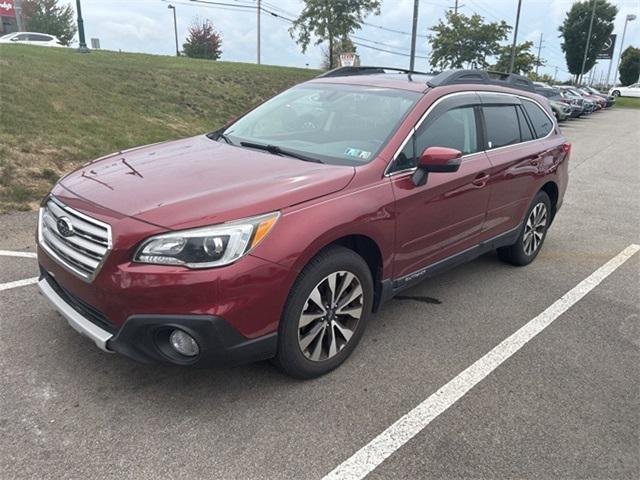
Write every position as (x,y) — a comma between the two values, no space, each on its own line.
(436,159)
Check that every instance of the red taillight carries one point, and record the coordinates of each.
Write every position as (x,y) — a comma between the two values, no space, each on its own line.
(566,148)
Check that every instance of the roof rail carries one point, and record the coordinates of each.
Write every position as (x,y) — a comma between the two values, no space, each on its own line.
(350,71)
(454,77)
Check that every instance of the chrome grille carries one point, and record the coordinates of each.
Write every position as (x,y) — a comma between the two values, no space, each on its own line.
(76,241)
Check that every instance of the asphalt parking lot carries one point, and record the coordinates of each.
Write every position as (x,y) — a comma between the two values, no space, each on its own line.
(565,404)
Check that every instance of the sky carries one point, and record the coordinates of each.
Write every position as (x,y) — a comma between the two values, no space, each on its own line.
(147,26)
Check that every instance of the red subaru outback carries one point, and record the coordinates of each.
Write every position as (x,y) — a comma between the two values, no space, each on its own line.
(279,235)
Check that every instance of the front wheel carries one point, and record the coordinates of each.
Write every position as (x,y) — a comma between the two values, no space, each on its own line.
(532,235)
(325,314)
(616,93)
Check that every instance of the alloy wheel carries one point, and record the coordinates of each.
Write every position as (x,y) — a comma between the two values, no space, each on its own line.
(534,229)
(330,316)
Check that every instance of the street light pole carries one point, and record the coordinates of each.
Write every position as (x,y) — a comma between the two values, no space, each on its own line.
(539,50)
(175,28)
(586,48)
(17,5)
(259,14)
(630,18)
(414,33)
(82,47)
(515,39)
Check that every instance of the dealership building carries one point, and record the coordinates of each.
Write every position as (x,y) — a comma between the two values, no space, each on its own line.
(8,20)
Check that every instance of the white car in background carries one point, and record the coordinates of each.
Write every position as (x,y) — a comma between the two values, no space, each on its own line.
(32,38)
(629,91)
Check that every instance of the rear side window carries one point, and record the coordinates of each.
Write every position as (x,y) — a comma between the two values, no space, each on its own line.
(525,130)
(39,38)
(455,128)
(502,124)
(541,122)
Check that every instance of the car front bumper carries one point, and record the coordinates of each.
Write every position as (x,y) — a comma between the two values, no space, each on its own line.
(144,338)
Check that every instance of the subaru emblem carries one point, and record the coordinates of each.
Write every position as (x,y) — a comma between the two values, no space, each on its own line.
(65,227)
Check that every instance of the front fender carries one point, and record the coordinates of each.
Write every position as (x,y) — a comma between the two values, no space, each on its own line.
(304,230)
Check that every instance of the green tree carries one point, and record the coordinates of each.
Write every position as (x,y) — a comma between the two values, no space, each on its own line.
(630,66)
(344,45)
(575,28)
(46,16)
(461,41)
(203,41)
(524,61)
(544,78)
(328,20)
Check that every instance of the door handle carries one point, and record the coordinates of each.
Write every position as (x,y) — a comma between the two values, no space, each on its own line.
(535,160)
(481,180)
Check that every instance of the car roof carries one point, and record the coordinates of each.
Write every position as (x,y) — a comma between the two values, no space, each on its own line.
(398,81)
(420,82)
(33,33)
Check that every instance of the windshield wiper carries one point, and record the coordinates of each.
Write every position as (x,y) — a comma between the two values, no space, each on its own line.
(276,150)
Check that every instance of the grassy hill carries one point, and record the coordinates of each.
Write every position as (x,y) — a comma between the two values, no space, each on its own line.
(59,109)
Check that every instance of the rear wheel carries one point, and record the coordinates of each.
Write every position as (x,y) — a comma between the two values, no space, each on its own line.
(532,235)
(326,314)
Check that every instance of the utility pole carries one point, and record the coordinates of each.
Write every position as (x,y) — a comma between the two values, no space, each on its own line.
(539,49)
(555,74)
(515,38)
(17,4)
(82,47)
(456,7)
(175,28)
(586,48)
(414,33)
(259,12)
(630,18)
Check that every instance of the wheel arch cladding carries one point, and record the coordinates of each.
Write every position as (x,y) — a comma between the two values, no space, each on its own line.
(551,189)
(368,249)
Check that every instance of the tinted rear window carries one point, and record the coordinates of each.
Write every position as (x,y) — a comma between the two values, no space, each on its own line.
(525,130)
(39,38)
(541,122)
(502,125)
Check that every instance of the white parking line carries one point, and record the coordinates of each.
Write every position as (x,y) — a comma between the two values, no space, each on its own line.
(384,445)
(9,253)
(18,283)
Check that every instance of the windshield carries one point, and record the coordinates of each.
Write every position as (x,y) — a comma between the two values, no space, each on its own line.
(337,124)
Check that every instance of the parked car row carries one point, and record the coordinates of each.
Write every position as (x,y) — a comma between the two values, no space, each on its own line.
(572,102)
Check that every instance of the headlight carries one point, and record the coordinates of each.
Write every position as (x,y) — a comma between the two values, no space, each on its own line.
(206,247)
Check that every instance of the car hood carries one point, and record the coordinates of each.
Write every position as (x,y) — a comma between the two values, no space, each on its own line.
(197,181)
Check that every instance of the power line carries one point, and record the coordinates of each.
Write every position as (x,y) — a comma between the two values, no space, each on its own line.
(385,45)
(189,4)
(268,12)
(224,4)
(392,30)
(402,54)
(486,11)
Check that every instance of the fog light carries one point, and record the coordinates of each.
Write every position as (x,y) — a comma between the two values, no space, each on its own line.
(183,343)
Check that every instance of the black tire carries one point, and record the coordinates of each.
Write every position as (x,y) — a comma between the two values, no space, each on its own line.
(616,93)
(516,254)
(290,357)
